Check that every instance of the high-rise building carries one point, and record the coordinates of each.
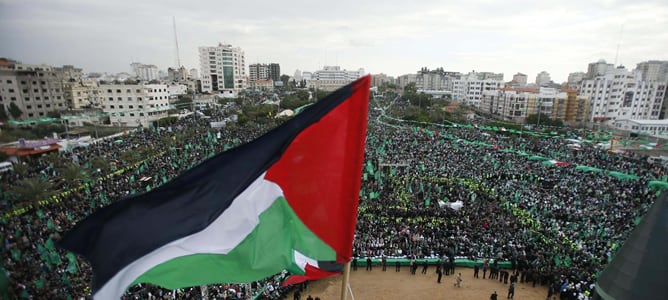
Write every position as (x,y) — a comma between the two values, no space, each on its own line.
(274,72)
(598,68)
(379,79)
(653,70)
(180,74)
(223,69)
(32,91)
(517,104)
(435,80)
(620,94)
(520,79)
(193,74)
(145,72)
(470,88)
(405,79)
(543,78)
(134,104)
(574,80)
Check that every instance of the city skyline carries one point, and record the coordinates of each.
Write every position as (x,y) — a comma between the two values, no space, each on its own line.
(391,37)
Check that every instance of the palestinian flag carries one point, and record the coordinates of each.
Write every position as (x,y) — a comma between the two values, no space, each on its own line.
(287,200)
(553,162)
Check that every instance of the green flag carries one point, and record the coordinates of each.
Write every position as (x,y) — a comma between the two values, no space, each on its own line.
(72,267)
(49,245)
(50,225)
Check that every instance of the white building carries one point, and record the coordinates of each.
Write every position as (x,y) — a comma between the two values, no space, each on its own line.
(333,77)
(543,78)
(469,89)
(298,75)
(145,72)
(174,90)
(657,128)
(620,94)
(134,104)
(223,69)
(193,74)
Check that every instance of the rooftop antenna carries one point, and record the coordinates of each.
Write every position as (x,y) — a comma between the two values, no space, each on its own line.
(176,42)
(619,43)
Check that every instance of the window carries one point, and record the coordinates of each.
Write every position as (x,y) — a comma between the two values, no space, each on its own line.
(25,91)
(39,106)
(9,81)
(28,106)
(118,91)
(130,106)
(48,105)
(111,106)
(31,115)
(120,106)
(111,98)
(41,114)
(42,82)
(128,91)
(108,91)
(11,90)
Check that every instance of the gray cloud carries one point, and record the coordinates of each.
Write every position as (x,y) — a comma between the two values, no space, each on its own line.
(395,37)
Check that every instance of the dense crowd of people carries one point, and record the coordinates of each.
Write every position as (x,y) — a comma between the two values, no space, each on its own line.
(556,225)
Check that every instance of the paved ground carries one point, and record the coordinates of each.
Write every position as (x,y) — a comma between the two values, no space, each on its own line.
(391,285)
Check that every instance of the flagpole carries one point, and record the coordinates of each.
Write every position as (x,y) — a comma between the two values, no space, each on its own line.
(344,282)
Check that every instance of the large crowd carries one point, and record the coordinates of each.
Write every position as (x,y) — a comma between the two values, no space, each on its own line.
(556,225)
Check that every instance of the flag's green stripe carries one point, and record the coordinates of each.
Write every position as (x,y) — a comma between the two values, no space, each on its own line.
(267,250)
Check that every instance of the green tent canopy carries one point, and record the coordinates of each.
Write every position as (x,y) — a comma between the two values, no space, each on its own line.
(658,184)
(588,169)
(620,175)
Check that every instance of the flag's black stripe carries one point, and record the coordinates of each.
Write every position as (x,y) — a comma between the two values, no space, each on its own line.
(116,235)
(330,266)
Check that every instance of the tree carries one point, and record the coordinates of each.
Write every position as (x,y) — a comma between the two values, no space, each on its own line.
(100,163)
(15,111)
(31,189)
(285,79)
(20,169)
(130,156)
(3,113)
(73,174)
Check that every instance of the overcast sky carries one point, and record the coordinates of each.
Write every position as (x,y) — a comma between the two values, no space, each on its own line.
(388,36)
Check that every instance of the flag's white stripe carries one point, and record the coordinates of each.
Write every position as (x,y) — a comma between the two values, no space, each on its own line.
(301,260)
(223,235)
